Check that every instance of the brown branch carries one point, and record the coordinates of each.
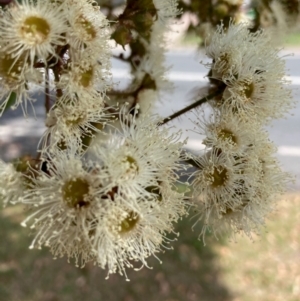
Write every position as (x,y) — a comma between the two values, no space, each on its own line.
(191,107)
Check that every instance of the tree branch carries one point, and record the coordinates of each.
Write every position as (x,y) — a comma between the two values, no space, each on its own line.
(191,107)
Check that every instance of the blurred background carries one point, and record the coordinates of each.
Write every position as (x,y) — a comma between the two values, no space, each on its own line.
(265,268)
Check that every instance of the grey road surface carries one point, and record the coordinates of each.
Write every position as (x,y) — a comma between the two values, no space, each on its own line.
(19,136)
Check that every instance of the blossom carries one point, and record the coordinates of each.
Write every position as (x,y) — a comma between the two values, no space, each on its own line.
(85,76)
(139,155)
(166,9)
(126,234)
(65,204)
(71,120)
(252,71)
(226,49)
(32,30)
(11,184)
(88,27)
(111,207)
(218,182)
(245,204)
(13,80)
(260,91)
(228,131)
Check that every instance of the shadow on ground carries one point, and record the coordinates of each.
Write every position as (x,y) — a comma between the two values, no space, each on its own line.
(188,272)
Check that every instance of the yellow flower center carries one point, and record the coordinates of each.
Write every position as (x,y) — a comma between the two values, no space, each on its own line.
(223,63)
(132,166)
(227,135)
(248,89)
(75,193)
(87,27)
(35,29)
(10,69)
(86,77)
(128,223)
(74,120)
(217,177)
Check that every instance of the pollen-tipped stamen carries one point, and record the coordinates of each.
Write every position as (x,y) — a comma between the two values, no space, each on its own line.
(128,223)
(218,177)
(88,27)
(86,77)
(227,135)
(75,193)
(35,29)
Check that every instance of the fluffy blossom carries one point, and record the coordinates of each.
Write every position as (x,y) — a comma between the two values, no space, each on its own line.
(32,29)
(71,120)
(116,206)
(249,65)
(11,184)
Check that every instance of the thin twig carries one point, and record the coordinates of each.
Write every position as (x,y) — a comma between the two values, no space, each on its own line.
(190,107)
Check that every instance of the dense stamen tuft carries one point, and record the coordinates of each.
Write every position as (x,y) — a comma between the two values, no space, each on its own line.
(87,27)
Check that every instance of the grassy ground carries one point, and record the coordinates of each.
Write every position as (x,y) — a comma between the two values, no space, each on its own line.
(188,272)
(267,269)
(293,39)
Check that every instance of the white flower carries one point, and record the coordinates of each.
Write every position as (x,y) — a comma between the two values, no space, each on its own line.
(72,120)
(86,77)
(218,182)
(140,154)
(262,182)
(11,184)
(126,235)
(88,28)
(32,30)
(228,132)
(166,9)
(226,49)
(65,202)
(13,79)
(249,65)
(87,210)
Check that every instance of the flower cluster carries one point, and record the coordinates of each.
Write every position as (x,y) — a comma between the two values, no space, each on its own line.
(238,178)
(110,200)
(113,206)
(70,38)
(103,188)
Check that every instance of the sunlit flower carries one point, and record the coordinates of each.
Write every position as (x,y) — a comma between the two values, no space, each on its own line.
(127,235)
(85,77)
(32,30)
(259,91)
(72,120)
(218,182)
(88,28)
(228,132)
(65,202)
